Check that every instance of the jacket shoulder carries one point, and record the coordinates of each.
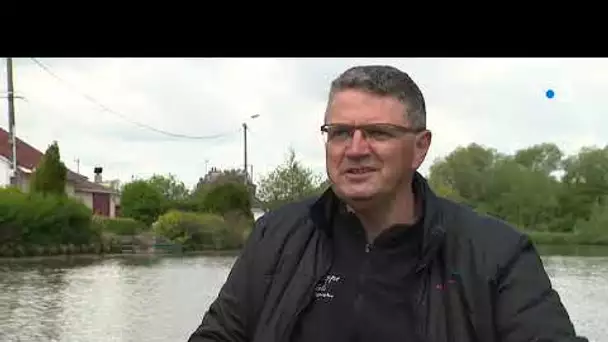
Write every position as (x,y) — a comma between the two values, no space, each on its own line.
(280,221)
(491,241)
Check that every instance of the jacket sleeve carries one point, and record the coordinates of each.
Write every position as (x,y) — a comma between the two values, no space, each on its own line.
(527,306)
(228,318)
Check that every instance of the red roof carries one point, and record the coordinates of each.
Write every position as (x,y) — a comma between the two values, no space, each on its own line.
(29,157)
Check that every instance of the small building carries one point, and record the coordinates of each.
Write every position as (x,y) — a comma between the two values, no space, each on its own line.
(103,200)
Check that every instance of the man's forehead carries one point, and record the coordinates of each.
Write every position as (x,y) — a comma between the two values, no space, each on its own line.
(358,104)
(356,97)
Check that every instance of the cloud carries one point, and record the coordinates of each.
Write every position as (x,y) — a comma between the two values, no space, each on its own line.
(500,103)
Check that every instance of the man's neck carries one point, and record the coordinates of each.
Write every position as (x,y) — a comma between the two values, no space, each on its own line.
(399,209)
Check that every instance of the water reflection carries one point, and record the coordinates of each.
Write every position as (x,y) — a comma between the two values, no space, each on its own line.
(156,298)
(32,298)
(583,285)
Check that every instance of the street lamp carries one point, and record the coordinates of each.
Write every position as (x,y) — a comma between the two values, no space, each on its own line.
(245,169)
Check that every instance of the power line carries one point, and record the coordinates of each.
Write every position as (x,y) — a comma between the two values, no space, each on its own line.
(122,116)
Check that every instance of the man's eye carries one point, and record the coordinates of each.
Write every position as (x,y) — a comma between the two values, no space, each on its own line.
(340,133)
(379,134)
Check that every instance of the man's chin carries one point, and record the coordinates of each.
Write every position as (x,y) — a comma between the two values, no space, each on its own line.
(357,198)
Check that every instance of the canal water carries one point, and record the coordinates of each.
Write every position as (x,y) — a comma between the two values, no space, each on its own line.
(156,298)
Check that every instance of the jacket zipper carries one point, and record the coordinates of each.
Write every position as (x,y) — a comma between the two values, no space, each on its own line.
(358,297)
(424,271)
(303,304)
(300,308)
(465,303)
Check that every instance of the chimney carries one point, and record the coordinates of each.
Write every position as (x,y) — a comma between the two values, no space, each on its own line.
(97,172)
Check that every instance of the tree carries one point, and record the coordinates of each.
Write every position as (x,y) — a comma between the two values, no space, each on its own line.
(546,158)
(50,174)
(223,176)
(216,177)
(597,224)
(517,188)
(142,201)
(171,188)
(445,191)
(464,172)
(526,197)
(585,182)
(290,181)
(324,185)
(228,197)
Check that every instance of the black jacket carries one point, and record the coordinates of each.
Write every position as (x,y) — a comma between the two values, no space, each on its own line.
(481,279)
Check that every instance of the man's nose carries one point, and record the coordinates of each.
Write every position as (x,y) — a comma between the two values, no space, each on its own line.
(358,146)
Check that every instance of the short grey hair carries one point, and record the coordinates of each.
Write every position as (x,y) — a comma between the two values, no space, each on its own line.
(384,81)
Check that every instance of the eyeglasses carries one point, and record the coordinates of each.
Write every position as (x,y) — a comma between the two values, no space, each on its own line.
(373,132)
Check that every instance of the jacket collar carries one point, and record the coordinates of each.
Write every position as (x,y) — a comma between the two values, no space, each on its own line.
(324,210)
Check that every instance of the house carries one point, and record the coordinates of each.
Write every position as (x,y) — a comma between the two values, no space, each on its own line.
(103,200)
(257,209)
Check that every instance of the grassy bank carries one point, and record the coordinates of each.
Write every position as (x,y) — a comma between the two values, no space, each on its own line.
(118,255)
(97,250)
(565,239)
(34,250)
(548,243)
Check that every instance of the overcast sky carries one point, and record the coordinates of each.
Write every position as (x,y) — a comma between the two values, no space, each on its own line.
(495,102)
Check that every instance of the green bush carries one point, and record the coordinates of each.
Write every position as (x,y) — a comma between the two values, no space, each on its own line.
(190,229)
(594,231)
(118,225)
(198,230)
(228,197)
(142,201)
(35,219)
(191,204)
(12,202)
(238,228)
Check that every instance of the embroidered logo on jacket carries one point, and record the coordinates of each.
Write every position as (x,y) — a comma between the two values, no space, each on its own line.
(324,288)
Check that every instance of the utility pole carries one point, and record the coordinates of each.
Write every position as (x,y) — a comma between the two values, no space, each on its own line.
(245,169)
(11,121)
(245,151)
(77,160)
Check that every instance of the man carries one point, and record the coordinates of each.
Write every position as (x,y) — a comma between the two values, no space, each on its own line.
(379,257)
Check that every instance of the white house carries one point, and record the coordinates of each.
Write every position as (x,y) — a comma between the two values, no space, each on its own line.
(103,200)
(257,213)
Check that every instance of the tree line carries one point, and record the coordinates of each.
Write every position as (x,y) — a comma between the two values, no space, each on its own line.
(556,198)
(538,189)
(146,199)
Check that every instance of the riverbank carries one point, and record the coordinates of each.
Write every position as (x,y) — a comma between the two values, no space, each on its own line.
(102,256)
(128,247)
(569,239)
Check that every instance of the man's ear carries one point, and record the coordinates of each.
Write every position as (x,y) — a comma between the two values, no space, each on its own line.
(423,143)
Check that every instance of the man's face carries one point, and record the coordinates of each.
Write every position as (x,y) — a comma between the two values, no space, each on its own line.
(376,160)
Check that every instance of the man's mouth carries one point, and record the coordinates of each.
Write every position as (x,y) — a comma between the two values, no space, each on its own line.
(359,170)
